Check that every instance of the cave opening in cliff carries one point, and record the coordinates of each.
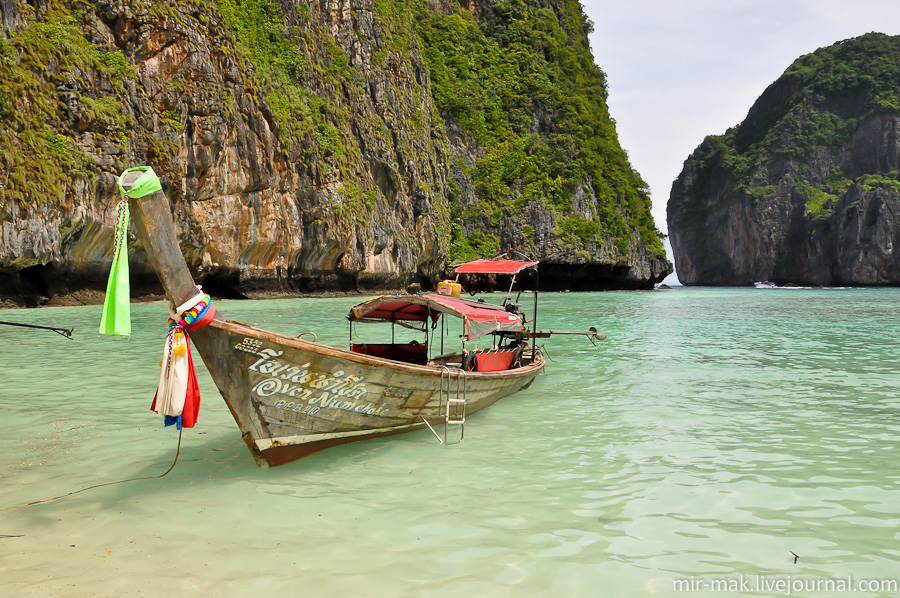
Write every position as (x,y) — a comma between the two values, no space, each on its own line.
(225,284)
(36,281)
(586,277)
(486,283)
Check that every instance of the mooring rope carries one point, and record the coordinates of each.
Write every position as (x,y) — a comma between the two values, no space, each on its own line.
(152,477)
(66,332)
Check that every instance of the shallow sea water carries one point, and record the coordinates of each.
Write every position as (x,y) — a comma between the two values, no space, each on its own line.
(715,432)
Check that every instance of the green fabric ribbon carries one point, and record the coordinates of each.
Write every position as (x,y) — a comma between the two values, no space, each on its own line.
(116,317)
(146,184)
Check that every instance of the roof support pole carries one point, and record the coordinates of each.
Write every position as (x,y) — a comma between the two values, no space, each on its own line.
(509,292)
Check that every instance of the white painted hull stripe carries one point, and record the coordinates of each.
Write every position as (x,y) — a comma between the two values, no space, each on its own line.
(267,443)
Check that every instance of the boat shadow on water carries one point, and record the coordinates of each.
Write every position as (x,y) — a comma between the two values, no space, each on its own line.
(214,462)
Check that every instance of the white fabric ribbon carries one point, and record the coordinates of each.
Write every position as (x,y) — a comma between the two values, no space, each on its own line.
(173,379)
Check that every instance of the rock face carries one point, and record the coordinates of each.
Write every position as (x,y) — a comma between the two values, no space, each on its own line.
(807,188)
(300,144)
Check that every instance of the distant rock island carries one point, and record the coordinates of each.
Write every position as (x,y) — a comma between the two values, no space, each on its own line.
(807,189)
(310,147)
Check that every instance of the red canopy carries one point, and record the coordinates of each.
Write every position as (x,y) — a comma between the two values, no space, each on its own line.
(486,317)
(493,267)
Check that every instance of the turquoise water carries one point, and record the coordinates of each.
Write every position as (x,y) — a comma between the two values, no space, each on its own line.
(714,432)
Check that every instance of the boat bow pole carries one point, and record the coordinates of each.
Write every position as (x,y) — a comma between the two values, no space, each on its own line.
(591,333)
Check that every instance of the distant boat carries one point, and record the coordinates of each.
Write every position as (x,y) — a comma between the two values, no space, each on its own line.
(771,285)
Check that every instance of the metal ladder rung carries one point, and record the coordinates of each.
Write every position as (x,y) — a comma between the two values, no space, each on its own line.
(458,403)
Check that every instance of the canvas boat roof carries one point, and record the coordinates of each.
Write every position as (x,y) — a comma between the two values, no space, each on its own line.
(493,267)
(480,318)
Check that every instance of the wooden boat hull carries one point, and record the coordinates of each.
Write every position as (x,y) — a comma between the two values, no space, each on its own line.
(293,397)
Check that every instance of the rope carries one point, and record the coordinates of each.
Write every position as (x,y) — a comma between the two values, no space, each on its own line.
(121,223)
(543,349)
(189,316)
(66,332)
(152,477)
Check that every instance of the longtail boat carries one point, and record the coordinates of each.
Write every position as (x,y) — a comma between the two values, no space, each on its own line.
(292,396)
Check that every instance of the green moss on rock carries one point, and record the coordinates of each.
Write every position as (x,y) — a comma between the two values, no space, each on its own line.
(522,82)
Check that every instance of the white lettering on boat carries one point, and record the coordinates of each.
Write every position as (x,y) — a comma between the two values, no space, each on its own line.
(311,391)
(249,345)
(329,399)
(369,409)
(267,364)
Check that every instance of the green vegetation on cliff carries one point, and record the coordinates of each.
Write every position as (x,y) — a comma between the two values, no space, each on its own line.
(279,57)
(522,82)
(813,110)
(38,157)
(805,189)
(516,76)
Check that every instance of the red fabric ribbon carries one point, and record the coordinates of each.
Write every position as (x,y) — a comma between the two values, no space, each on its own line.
(204,321)
(192,398)
(191,409)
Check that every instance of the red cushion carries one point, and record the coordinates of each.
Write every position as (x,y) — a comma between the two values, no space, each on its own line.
(494,361)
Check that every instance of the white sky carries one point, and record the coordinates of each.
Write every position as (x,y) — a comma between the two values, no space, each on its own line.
(679,70)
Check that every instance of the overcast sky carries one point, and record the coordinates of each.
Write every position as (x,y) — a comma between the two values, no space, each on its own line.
(679,70)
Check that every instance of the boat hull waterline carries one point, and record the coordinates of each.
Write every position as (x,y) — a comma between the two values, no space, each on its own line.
(302,397)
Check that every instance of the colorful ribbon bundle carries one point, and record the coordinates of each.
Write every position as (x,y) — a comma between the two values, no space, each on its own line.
(178,396)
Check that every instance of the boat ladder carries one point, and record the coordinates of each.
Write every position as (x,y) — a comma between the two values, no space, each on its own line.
(451,403)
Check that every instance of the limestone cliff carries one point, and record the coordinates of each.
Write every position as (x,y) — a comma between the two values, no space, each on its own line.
(807,189)
(304,146)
